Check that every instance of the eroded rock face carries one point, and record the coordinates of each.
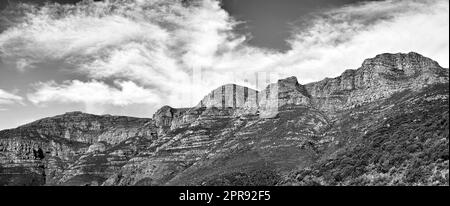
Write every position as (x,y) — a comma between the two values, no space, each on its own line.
(287,133)
(87,128)
(168,118)
(377,78)
(230,96)
(286,92)
(51,145)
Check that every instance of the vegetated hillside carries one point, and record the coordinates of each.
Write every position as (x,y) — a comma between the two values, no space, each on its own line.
(385,123)
(406,144)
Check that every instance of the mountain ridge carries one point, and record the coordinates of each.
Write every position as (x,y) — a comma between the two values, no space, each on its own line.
(237,135)
(331,90)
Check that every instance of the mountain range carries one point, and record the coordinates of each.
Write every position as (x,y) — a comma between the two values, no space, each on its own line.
(384,123)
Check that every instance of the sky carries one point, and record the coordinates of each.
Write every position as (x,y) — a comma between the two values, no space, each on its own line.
(131,57)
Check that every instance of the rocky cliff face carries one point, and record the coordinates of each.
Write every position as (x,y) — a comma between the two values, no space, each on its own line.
(377,78)
(47,148)
(383,123)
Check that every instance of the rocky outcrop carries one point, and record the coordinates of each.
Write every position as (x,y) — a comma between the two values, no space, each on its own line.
(377,78)
(168,118)
(230,96)
(285,92)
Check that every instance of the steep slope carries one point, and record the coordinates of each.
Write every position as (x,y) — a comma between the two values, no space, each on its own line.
(383,123)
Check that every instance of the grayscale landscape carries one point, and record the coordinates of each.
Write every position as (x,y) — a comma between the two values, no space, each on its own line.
(352,93)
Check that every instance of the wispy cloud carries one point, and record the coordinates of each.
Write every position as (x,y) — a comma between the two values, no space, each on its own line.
(7,98)
(154,45)
(342,38)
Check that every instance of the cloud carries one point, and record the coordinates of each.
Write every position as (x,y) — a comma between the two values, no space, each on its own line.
(158,45)
(342,38)
(92,94)
(7,98)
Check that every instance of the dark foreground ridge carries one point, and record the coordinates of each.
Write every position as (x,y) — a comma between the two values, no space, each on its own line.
(385,123)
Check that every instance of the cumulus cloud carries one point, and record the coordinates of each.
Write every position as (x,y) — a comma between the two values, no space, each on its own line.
(7,98)
(158,45)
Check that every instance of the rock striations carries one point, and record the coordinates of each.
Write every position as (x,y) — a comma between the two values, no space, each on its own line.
(385,123)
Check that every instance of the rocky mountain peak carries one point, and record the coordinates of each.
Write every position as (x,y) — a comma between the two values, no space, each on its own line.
(282,93)
(409,64)
(285,91)
(291,84)
(163,116)
(392,58)
(377,78)
(289,81)
(401,70)
(230,96)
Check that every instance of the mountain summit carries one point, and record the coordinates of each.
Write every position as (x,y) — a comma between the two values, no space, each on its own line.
(384,123)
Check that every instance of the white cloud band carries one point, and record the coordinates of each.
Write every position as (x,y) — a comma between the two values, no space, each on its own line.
(7,98)
(93,92)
